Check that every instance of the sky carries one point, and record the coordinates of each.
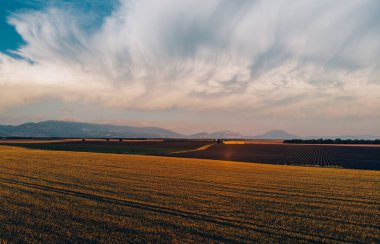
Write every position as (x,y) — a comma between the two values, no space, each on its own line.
(311,67)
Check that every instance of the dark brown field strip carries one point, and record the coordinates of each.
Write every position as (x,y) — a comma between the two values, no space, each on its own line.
(182,213)
(310,155)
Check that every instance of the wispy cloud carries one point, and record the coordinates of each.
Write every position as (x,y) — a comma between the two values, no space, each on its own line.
(308,58)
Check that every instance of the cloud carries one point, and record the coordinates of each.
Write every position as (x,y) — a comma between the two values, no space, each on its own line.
(271,58)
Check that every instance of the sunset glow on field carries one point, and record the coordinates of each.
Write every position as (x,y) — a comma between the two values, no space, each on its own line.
(191,121)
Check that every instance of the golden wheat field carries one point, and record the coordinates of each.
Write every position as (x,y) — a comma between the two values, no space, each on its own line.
(54,196)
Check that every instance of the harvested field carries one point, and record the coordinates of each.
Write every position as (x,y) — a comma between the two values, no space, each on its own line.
(55,196)
(349,157)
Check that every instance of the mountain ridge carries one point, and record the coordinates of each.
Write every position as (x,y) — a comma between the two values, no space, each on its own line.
(65,129)
(54,128)
(277,134)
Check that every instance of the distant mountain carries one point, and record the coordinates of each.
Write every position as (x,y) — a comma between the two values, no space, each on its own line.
(201,135)
(225,134)
(277,134)
(54,128)
(76,129)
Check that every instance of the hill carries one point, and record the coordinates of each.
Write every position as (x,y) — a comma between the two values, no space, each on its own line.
(277,134)
(75,129)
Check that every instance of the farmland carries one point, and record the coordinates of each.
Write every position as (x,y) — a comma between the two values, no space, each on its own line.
(58,196)
(142,147)
(349,157)
(271,152)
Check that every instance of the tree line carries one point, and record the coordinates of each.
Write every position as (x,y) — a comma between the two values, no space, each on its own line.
(333,141)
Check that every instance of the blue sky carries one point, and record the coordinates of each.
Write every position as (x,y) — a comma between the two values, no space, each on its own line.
(310,67)
(10,38)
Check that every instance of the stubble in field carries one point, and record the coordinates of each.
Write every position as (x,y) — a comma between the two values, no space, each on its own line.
(53,196)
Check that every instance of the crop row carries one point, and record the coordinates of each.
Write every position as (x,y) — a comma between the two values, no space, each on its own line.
(350,157)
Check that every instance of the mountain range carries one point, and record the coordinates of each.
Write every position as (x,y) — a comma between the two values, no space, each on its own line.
(76,129)
(66,129)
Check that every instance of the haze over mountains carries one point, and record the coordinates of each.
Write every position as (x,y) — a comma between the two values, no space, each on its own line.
(218,134)
(277,134)
(76,129)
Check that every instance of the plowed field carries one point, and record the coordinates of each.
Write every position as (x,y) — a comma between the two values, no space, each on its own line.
(349,157)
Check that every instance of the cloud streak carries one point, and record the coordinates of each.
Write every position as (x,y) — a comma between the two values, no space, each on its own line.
(271,58)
